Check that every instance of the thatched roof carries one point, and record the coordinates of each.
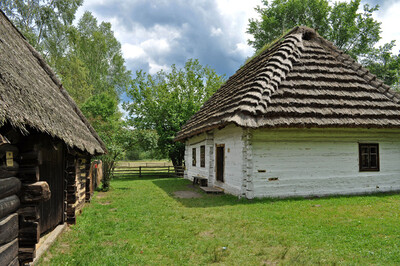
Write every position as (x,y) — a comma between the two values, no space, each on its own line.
(31,96)
(302,80)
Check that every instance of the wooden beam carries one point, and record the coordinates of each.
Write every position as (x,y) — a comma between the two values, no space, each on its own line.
(5,173)
(29,212)
(9,186)
(8,228)
(32,157)
(8,252)
(29,233)
(8,205)
(26,254)
(29,174)
(38,191)
(15,262)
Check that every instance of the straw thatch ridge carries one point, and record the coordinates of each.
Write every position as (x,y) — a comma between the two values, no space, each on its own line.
(31,95)
(302,80)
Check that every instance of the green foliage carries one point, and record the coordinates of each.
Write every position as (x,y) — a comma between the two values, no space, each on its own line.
(165,101)
(101,53)
(141,222)
(146,148)
(384,64)
(352,31)
(89,61)
(43,22)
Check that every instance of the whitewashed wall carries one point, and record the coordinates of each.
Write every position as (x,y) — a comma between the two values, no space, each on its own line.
(231,136)
(196,142)
(321,162)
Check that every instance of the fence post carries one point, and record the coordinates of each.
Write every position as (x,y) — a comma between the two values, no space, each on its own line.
(140,171)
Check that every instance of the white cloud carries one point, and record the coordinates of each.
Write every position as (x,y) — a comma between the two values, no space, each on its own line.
(244,49)
(156,46)
(131,51)
(390,18)
(154,68)
(216,31)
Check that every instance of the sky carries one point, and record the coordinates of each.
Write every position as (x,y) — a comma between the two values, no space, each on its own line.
(155,34)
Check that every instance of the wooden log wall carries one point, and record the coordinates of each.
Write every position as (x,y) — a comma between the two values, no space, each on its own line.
(71,171)
(77,181)
(10,186)
(32,193)
(89,180)
(82,180)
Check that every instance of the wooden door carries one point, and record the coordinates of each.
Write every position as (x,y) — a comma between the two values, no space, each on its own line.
(52,171)
(220,162)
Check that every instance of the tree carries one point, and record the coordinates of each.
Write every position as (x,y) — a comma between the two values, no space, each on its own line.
(102,111)
(43,22)
(96,46)
(384,64)
(89,62)
(165,101)
(353,32)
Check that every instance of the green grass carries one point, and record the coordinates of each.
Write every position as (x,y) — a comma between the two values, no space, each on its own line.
(140,222)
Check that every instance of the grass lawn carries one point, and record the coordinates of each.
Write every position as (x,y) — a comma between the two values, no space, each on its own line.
(141,222)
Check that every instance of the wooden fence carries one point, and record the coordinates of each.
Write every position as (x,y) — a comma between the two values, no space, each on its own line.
(148,170)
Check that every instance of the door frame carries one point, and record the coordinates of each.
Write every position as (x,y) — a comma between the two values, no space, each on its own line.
(223,162)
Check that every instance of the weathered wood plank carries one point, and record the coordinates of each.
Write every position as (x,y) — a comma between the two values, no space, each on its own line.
(31,157)
(38,191)
(6,173)
(14,167)
(29,232)
(8,205)
(30,174)
(26,254)
(14,262)
(8,228)
(29,212)
(9,186)
(71,198)
(8,252)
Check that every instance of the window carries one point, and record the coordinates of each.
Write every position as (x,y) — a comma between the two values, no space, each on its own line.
(194,157)
(368,157)
(202,156)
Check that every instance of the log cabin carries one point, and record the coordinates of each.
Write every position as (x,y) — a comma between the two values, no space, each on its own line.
(46,145)
(300,119)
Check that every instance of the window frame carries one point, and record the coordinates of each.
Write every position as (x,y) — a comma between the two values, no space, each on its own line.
(360,157)
(193,156)
(203,156)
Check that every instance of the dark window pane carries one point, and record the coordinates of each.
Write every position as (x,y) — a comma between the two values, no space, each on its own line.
(374,161)
(369,157)
(194,157)
(364,161)
(202,156)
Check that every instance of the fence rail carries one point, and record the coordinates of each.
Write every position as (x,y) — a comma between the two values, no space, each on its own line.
(148,170)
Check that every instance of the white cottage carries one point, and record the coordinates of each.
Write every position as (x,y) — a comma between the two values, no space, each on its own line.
(300,119)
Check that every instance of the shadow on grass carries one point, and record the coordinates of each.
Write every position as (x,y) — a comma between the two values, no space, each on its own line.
(170,185)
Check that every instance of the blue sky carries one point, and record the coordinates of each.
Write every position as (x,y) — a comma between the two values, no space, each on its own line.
(155,34)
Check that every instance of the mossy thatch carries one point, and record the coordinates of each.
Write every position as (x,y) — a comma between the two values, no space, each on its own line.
(301,80)
(31,96)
